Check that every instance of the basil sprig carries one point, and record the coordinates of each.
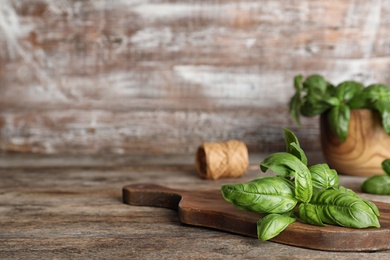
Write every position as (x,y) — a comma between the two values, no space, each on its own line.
(313,189)
(314,96)
(379,184)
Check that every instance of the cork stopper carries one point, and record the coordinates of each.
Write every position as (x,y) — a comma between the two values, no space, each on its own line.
(222,160)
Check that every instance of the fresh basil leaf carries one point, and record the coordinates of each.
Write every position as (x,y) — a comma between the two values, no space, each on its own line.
(269,194)
(383,107)
(295,106)
(296,100)
(339,208)
(352,193)
(288,165)
(298,152)
(368,97)
(272,225)
(293,147)
(377,97)
(323,177)
(317,88)
(298,79)
(344,190)
(316,82)
(347,90)
(359,101)
(314,108)
(290,137)
(376,92)
(338,118)
(386,166)
(378,184)
(309,214)
(373,207)
(332,101)
(281,163)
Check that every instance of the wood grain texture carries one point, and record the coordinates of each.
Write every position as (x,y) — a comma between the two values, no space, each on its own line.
(110,76)
(209,209)
(74,209)
(366,147)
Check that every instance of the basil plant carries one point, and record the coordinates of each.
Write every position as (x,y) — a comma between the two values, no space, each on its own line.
(315,95)
(313,190)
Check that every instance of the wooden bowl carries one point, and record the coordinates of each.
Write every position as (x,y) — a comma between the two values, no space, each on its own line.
(366,146)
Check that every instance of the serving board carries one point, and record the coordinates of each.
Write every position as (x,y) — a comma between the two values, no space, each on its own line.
(209,209)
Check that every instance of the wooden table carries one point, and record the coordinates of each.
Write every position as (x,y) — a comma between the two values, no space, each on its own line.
(71,207)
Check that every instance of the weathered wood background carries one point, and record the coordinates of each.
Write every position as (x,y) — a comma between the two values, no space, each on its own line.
(162,76)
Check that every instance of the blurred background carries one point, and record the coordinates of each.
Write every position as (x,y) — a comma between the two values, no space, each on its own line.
(163,76)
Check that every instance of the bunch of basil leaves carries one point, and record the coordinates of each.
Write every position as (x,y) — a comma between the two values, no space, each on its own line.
(379,184)
(313,189)
(315,95)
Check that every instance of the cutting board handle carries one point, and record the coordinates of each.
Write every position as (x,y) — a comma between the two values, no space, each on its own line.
(151,195)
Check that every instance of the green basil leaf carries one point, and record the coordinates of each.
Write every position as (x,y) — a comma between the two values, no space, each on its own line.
(359,101)
(347,90)
(288,165)
(373,207)
(268,194)
(340,208)
(386,166)
(295,106)
(317,83)
(338,118)
(293,147)
(298,152)
(377,96)
(376,92)
(272,225)
(323,177)
(317,88)
(298,79)
(383,107)
(352,193)
(345,190)
(332,101)
(296,100)
(369,97)
(378,184)
(310,215)
(314,108)
(281,163)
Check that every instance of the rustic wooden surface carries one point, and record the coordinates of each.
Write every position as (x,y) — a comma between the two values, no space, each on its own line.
(71,207)
(162,76)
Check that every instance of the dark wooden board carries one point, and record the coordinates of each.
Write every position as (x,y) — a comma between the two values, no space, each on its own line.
(209,209)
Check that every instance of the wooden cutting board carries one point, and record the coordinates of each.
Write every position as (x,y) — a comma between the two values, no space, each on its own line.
(209,209)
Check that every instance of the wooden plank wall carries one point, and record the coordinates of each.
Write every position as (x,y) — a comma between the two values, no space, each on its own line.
(163,76)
